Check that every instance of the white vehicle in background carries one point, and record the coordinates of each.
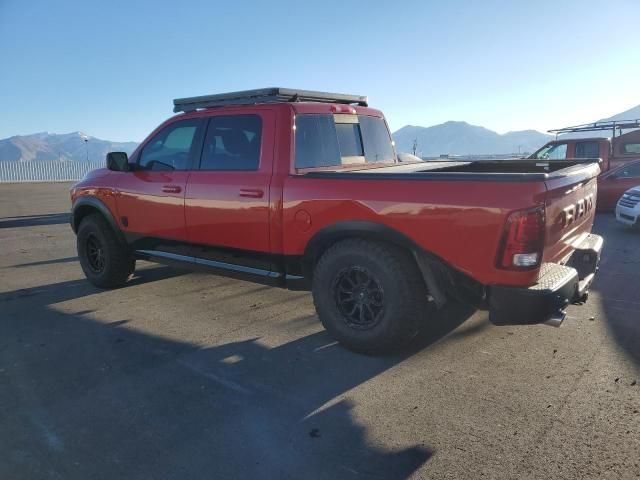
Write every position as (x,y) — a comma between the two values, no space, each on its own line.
(628,207)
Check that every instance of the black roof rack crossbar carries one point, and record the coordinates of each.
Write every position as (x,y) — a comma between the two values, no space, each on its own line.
(264,95)
(597,126)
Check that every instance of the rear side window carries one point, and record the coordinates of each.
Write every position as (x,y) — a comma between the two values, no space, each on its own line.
(171,148)
(587,150)
(341,139)
(631,148)
(232,143)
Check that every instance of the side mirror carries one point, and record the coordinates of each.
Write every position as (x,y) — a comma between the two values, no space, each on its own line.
(118,161)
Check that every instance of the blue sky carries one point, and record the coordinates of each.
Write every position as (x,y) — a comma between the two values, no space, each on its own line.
(112,68)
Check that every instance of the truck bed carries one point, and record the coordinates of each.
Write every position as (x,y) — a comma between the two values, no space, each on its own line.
(454,210)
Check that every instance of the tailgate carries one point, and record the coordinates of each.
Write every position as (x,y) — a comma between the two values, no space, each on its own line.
(570,209)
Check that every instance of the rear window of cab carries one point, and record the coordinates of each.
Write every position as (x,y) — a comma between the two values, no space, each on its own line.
(334,140)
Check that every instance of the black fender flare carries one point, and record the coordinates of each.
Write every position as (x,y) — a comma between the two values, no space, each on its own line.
(355,228)
(87,203)
(374,231)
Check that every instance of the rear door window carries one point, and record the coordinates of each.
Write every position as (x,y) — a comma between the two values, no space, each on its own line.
(232,143)
(587,150)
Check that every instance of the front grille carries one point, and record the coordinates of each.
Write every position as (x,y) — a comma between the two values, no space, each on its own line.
(629,201)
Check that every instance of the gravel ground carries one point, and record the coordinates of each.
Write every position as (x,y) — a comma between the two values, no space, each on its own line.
(185,375)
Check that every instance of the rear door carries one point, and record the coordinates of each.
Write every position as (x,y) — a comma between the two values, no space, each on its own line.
(151,198)
(227,200)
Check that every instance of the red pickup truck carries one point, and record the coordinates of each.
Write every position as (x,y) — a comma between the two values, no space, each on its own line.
(303,190)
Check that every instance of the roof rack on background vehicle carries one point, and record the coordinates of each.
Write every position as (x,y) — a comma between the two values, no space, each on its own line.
(597,126)
(264,95)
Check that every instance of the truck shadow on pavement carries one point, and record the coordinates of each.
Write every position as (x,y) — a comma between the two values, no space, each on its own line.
(618,283)
(34,220)
(41,263)
(90,399)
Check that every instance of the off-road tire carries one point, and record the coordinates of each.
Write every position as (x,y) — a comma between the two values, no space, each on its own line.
(117,265)
(404,295)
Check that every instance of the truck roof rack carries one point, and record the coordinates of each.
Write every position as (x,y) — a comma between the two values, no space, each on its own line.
(597,126)
(264,95)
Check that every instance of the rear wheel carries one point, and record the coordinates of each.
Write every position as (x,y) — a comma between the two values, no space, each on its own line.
(369,296)
(105,261)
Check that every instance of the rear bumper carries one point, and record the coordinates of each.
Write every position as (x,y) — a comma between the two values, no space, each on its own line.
(558,286)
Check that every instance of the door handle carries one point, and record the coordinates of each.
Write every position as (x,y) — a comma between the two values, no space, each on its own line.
(251,193)
(171,188)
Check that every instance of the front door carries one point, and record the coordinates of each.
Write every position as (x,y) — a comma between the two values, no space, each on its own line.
(151,197)
(227,200)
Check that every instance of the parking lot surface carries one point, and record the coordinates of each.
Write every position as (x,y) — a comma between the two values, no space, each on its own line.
(185,375)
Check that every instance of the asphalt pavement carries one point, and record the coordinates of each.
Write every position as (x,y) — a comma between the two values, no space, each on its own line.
(185,375)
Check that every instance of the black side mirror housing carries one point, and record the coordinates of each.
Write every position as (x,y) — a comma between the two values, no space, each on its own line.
(118,161)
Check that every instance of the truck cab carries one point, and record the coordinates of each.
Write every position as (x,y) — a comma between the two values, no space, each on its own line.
(563,149)
(614,151)
(620,164)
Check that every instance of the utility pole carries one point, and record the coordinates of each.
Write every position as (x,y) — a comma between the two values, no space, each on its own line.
(86,144)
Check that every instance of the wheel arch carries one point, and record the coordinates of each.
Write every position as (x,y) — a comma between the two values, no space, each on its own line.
(87,205)
(443,281)
(330,235)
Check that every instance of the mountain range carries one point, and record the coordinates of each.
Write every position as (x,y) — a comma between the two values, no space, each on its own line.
(452,138)
(461,138)
(46,146)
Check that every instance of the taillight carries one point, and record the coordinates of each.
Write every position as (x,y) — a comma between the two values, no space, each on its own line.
(523,240)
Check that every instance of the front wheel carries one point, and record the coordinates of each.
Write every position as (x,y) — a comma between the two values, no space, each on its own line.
(105,261)
(369,296)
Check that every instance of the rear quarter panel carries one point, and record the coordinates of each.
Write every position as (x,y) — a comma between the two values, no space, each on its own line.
(459,221)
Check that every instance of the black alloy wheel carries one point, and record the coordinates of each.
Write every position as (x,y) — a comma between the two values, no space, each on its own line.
(95,254)
(359,297)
